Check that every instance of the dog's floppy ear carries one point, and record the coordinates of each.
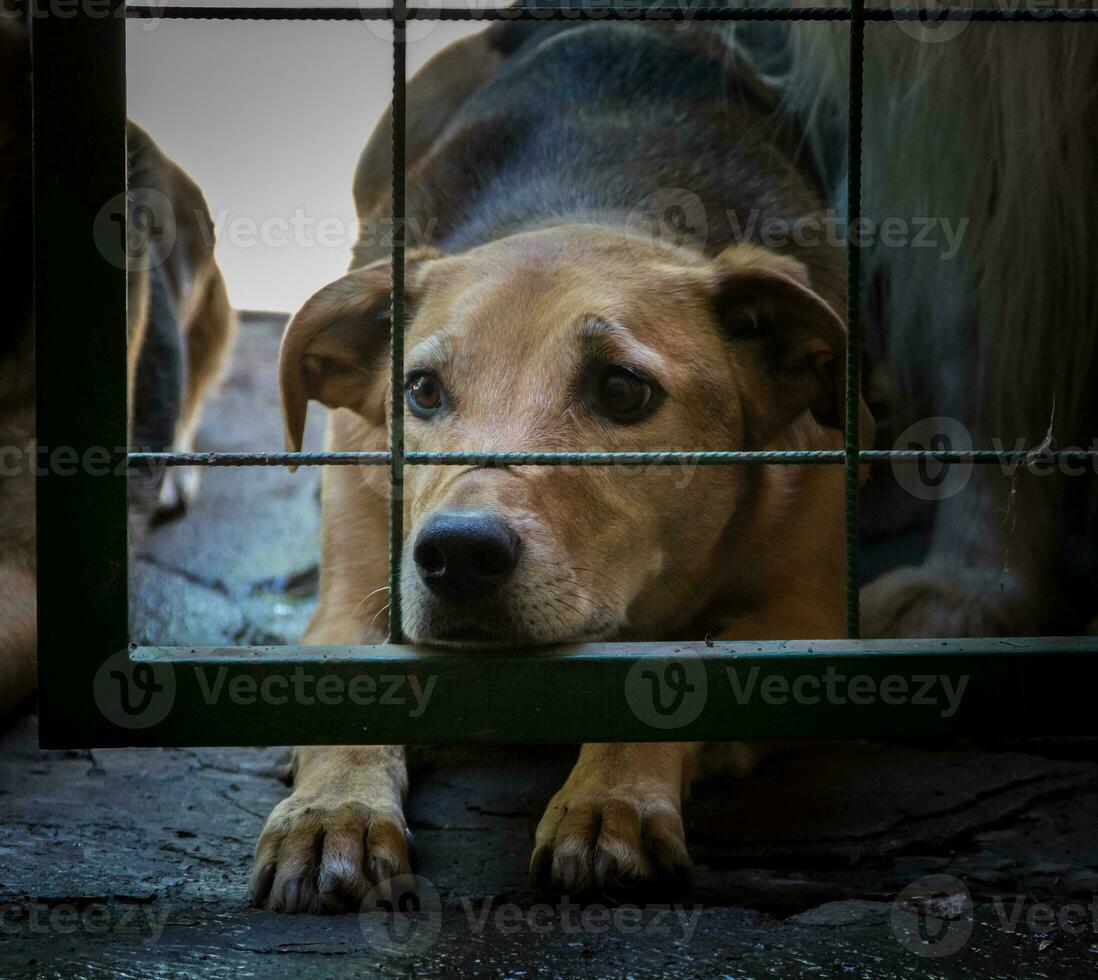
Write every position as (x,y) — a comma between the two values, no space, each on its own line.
(768,311)
(334,349)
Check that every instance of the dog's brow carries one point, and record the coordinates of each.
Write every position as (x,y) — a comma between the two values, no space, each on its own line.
(434,351)
(597,330)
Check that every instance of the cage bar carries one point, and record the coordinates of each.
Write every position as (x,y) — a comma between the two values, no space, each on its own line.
(853,373)
(79,161)
(1006,458)
(664,10)
(396,333)
(1012,686)
(389,694)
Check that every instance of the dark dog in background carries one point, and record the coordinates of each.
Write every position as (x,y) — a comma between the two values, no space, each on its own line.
(180,329)
(991,127)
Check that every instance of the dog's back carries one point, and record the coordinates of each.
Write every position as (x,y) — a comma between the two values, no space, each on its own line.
(608,119)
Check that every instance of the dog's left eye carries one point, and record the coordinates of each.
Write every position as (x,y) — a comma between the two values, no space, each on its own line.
(424,393)
(623,395)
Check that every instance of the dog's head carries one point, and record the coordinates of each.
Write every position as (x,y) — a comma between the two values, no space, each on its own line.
(571,339)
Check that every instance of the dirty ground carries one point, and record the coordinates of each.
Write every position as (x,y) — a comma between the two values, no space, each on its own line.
(135,862)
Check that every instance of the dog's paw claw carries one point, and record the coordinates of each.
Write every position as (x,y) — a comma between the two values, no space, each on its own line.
(611,840)
(317,858)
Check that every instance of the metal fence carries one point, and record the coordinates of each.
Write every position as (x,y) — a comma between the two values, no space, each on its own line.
(97,690)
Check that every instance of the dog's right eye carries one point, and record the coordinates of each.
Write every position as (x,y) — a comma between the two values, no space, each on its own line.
(424,393)
(622,395)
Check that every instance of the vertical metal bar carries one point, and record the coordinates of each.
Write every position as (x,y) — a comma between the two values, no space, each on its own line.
(396,430)
(853,317)
(79,161)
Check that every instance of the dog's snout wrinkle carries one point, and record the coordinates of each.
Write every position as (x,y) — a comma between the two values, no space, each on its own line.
(464,554)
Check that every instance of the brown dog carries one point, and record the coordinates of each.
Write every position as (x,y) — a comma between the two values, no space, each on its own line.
(180,329)
(540,318)
(181,324)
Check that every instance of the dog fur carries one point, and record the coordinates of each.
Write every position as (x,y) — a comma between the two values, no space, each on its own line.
(532,269)
(994,127)
(181,327)
(17,558)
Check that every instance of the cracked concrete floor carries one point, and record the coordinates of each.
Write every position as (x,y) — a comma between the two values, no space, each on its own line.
(134,862)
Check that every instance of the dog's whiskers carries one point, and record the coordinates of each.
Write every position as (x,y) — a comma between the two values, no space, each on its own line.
(366,598)
(384,608)
(617,587)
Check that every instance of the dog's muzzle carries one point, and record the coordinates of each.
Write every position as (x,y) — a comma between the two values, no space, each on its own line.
(465,555)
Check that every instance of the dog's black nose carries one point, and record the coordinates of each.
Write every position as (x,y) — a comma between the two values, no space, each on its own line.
(462,554)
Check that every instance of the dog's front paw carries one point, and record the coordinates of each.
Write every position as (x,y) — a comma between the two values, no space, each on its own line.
(935,601)
(326,855)
(594,836)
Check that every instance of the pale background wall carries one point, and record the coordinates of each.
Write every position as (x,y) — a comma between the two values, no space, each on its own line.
(269,118)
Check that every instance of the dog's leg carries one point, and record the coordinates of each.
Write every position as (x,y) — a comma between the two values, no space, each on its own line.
(990,570)
(209,333)
(340,833)
(618,818)
(342,830)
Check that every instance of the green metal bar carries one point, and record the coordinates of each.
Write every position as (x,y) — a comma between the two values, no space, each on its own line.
(852,441)
(623,11)
(1006,458)
(396,335)
(79,106)
(617,10)
(1005,14)
(602,692)
(387,693)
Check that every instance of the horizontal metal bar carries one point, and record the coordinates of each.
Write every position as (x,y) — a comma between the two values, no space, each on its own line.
(599,692)
(1016,456)
(481,459)
(1004,14)
(659,10)
(619,10)
(259,459)
(665,10)
(778,457)
(142,11)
